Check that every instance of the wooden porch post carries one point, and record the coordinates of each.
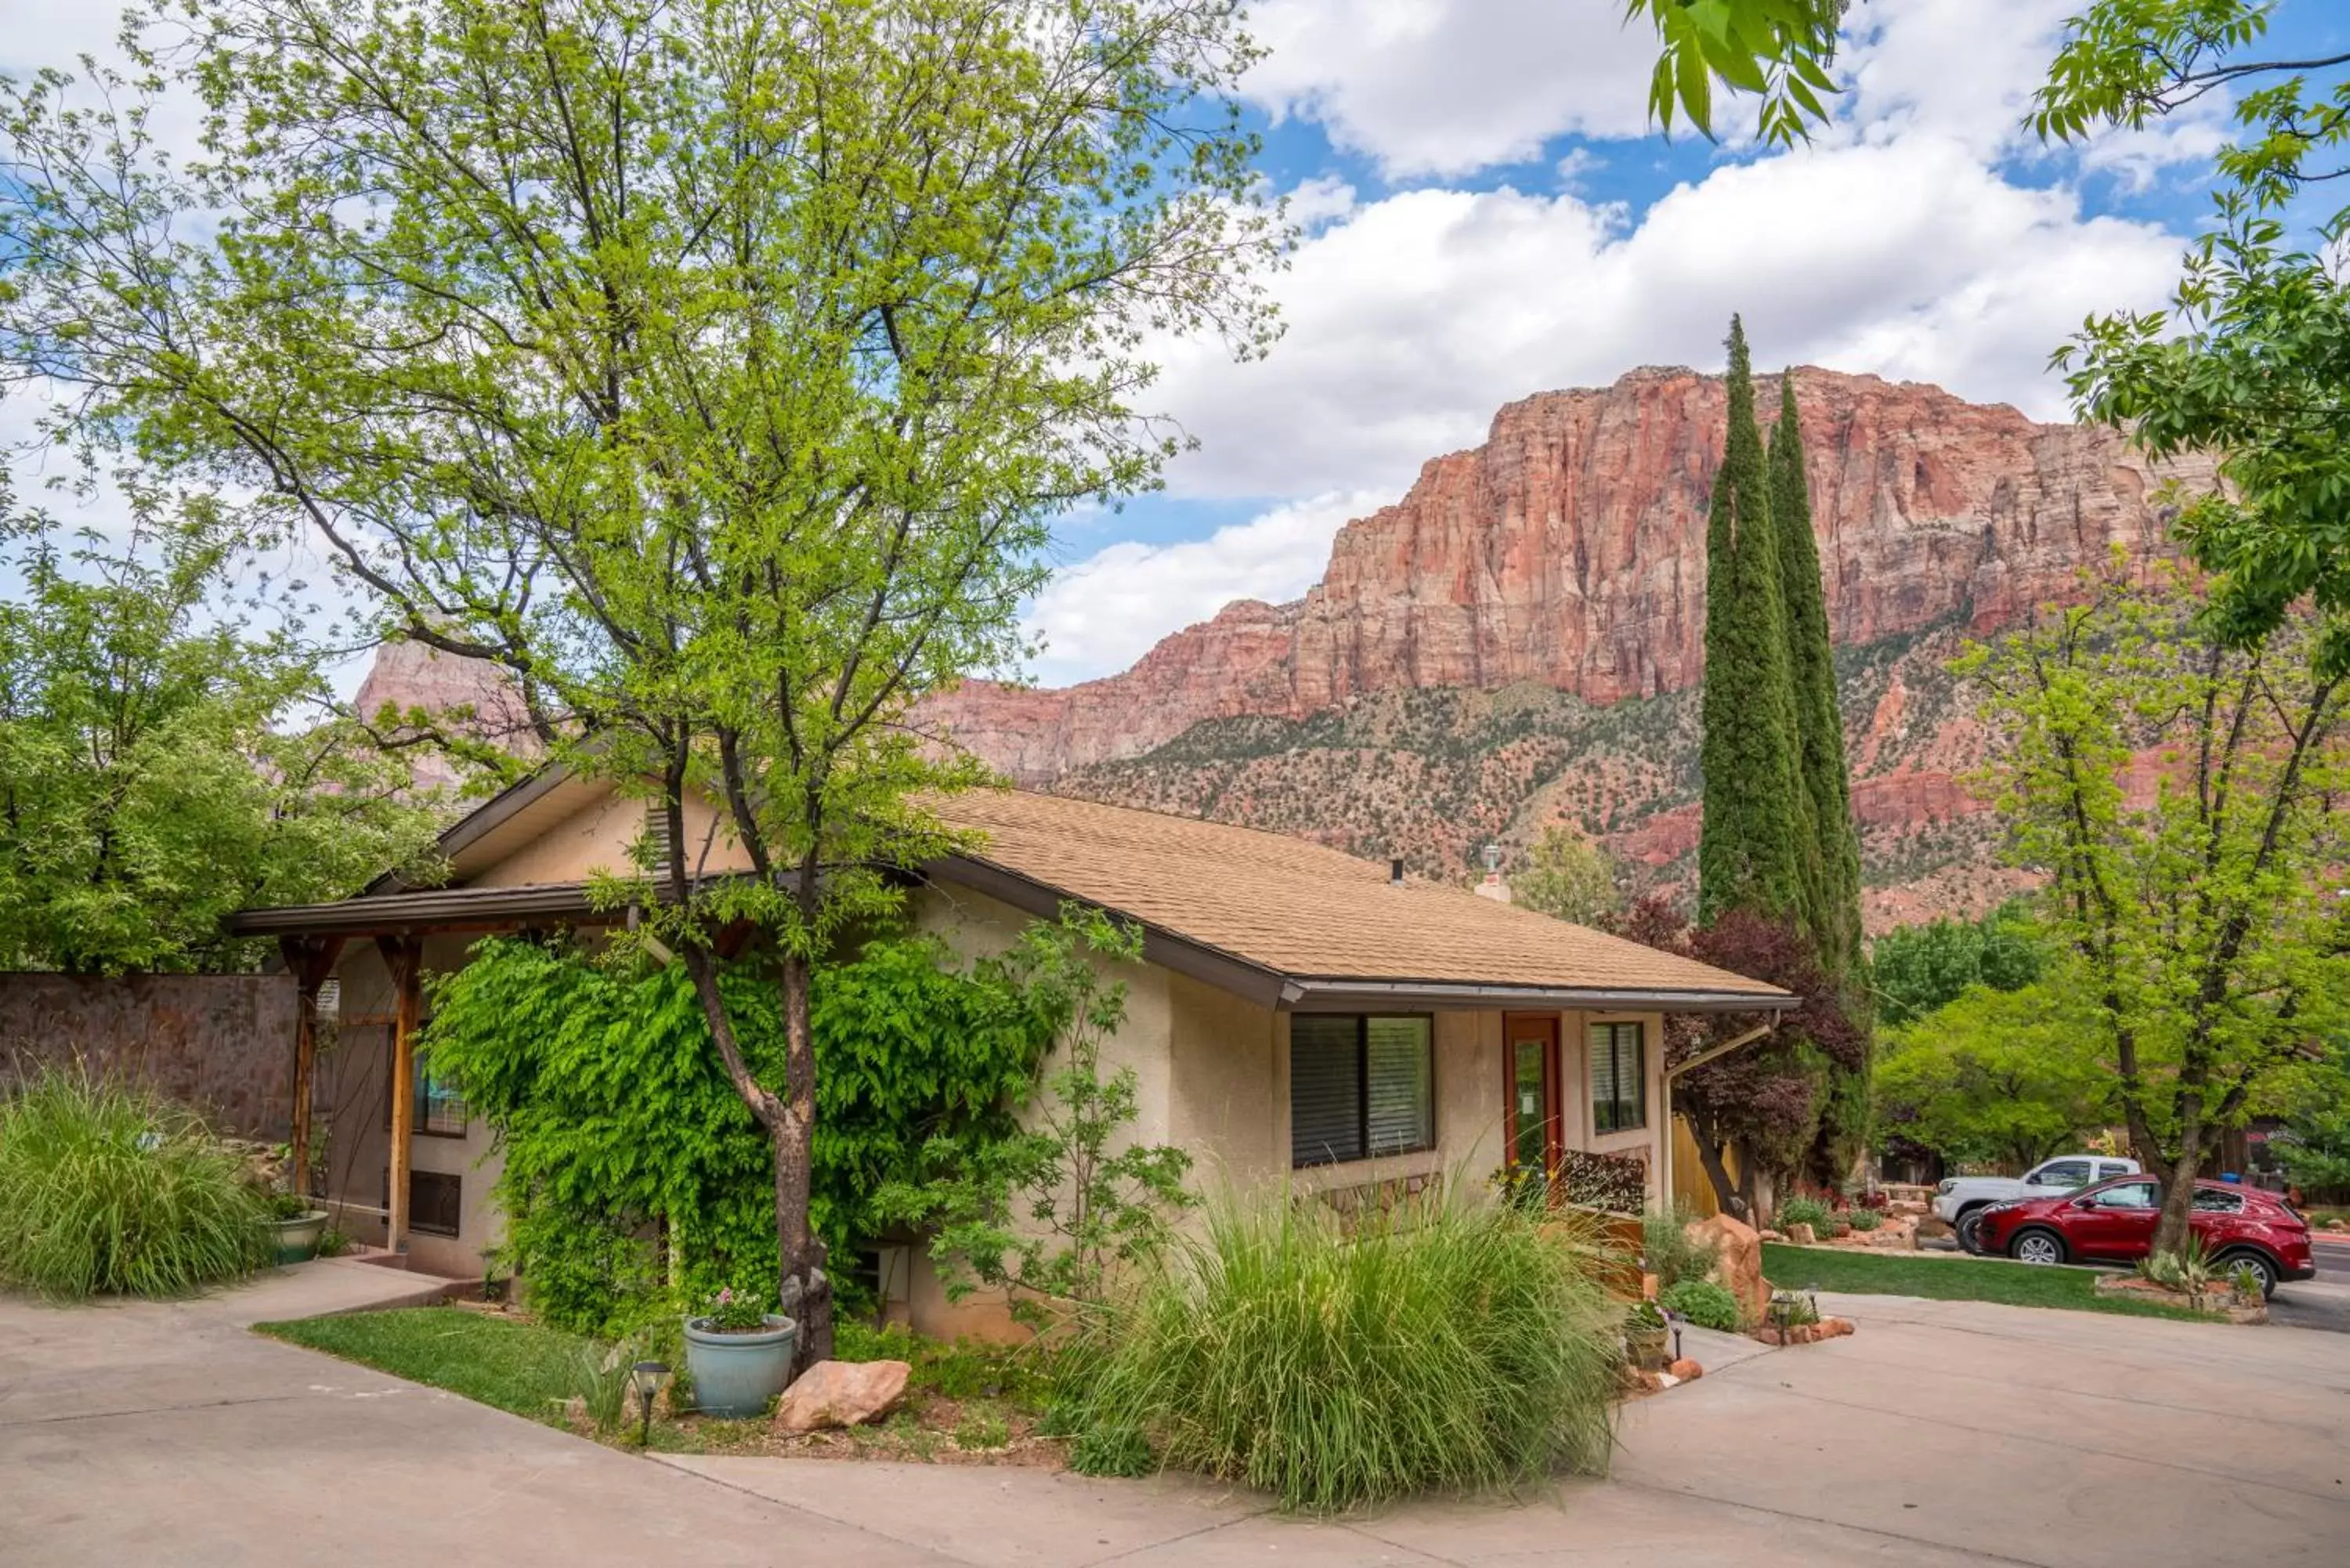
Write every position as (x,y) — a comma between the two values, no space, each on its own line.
(404,956)
(310,960)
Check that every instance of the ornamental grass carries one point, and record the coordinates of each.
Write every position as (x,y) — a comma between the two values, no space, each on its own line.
(107,1188)
(1451,1345)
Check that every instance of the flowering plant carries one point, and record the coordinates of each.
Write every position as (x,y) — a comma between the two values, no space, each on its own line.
(731,1314)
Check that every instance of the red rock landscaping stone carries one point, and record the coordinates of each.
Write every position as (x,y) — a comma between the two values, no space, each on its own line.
(841,1394)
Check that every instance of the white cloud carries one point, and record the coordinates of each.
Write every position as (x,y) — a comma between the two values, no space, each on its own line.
(1317,201)
(1104,612)
(1944,68)
(1417,317)
(1448,86)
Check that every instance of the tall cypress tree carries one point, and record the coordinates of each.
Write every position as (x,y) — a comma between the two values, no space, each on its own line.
(1832,847)
(1749,848)
(1833,867)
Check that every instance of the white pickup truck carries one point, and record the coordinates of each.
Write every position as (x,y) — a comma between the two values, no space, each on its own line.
(1961,1196)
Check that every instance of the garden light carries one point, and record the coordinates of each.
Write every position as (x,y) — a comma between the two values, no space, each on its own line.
(647,1376)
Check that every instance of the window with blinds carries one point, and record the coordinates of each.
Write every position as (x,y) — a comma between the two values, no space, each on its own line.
(1619,1077)
(1359,1086)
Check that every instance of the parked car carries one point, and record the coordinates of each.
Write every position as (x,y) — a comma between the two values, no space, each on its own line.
(2114,1221)
(1959,1200)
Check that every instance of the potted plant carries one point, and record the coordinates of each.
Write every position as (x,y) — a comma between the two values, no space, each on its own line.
(295,1227)
(739,1354)
(1644,1336)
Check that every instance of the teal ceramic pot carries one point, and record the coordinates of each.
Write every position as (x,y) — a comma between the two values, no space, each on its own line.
(296,1240)
(738,1375)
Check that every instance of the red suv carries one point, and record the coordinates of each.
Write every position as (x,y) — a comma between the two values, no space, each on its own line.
(2113,1222)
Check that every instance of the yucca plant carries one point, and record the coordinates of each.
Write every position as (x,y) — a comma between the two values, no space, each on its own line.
(1449,1346)
(109,1188)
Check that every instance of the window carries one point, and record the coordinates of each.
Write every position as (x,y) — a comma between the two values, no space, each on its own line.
(436,1201)
(1619,1078)
(2207,1201)
(2061,1173)
(440,1110)
(2128,1194)
(1359,1086)
(2111,1168)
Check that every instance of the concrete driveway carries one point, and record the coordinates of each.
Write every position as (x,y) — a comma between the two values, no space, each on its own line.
(1943,1433)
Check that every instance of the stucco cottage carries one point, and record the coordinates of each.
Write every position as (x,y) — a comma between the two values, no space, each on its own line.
(1300,1014)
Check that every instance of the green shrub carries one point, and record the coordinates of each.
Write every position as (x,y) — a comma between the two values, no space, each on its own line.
(106,1189)
(1112,1448)
(1451,1345)
(982,1429)
(1863,1219)
(1805,1212)
(1673,1254)
(1703,1303)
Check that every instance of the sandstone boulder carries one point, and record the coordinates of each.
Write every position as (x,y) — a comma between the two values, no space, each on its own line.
(1835,1327)
(1685,1369)
(1738,1260)
(1800,1234)
(841,1394)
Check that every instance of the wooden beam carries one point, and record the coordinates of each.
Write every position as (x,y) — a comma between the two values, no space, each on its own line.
(404,956)
(310,960)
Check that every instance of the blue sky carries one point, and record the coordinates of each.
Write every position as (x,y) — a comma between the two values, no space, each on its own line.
(1488,215)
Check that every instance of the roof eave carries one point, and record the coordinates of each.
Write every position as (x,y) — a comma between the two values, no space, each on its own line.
(1344,994)
(432,909)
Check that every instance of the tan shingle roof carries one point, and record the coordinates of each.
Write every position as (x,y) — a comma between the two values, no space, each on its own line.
(1305,910)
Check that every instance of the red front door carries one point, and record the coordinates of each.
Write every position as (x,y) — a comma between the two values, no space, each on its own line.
(1530,1067)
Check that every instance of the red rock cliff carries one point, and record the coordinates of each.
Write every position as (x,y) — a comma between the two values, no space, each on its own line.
(1569,550)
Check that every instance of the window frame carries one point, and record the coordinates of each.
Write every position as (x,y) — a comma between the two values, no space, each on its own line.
(1592,1032)
(2152,1205)
(418,1101)
(2043,1175)
(1362,1091)
(456,1187)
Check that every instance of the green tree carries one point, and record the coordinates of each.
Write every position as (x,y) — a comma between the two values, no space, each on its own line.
(2205,927)
(1569,878)
(2249,360)
(2128,63)
(1835,866)
(1830,853)
(1915,970)
(1051,1214)
(2004,1078)
(1756,830)
(716,370)
(2314,1148)
(160,765)
(1776,51)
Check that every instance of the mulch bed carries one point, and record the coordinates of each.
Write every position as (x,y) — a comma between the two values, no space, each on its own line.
(921,1430)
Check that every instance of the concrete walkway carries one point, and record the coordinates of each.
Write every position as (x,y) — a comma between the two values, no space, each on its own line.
(1943,1433)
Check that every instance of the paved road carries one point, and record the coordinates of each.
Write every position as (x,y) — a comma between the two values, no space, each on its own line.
(1943,1433)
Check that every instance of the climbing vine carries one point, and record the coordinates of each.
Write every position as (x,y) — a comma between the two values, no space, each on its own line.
(633,1174)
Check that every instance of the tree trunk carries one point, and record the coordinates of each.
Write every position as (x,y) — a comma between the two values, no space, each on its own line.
(805,1292)
(1712,1159)
(807,1288)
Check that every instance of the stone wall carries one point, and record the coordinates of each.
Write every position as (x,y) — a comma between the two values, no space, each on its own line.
(221,1043)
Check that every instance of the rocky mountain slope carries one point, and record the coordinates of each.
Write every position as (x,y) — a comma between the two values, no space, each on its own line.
(1517,641)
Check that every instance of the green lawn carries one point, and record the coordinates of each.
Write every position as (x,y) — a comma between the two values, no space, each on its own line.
(525,1367)
(531,1369)
(1948,1279)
